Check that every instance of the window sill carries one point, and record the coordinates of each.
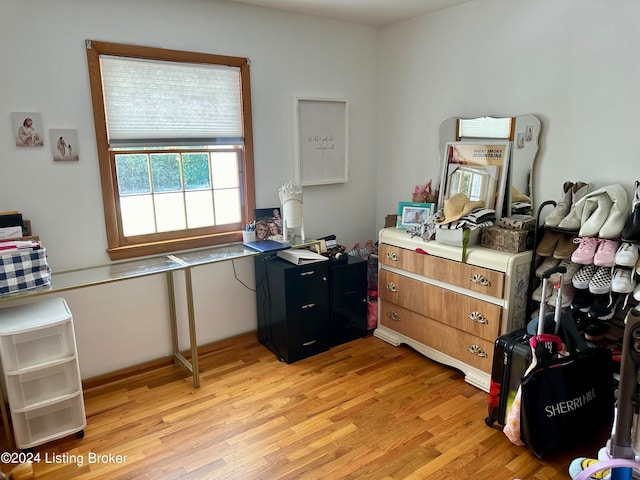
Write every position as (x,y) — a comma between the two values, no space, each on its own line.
(170,246)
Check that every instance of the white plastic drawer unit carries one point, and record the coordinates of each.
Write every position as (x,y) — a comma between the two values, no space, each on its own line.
(40,425)
(41,372)
(36,334)
(37,386)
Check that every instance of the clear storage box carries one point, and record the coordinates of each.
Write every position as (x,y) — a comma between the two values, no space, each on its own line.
(42,385)
(40,425)
(35,347)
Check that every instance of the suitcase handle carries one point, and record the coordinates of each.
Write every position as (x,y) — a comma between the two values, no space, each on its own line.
(552,270)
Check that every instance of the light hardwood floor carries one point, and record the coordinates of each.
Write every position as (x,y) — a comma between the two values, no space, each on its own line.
(363,410)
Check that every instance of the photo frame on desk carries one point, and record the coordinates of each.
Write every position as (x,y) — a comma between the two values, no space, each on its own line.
(321,141)
(478,169)
(271,219)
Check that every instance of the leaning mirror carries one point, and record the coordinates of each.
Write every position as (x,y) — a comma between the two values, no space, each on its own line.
(476,181)
(479,169)
(522,133)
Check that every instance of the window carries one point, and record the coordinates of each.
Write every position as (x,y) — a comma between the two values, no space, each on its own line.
(173,131)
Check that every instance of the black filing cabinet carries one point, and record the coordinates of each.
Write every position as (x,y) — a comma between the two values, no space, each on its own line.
(348,300)
(293,307)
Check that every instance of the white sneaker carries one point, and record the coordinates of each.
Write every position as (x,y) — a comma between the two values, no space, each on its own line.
(636,292)
(622,281)
(627,255)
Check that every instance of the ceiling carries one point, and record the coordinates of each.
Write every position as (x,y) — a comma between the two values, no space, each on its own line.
(376,13)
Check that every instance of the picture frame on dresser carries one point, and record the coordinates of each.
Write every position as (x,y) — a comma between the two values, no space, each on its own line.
(413,214)
(479,169)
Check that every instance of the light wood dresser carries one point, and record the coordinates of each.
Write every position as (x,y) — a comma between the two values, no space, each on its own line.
(451,312)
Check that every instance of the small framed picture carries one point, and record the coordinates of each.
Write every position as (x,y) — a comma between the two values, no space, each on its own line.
(413,214)
(27,129)
(64,144)
(268,224)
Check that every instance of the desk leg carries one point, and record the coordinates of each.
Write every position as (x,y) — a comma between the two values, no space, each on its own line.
(177,356)
(172,313)
(192,328)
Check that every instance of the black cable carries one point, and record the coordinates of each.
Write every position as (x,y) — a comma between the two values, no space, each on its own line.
(240,281)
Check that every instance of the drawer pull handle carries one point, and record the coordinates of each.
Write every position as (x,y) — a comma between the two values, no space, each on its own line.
(392,287)
(393,315)
(306,344)
(309,305)
(478,317)
(307,273)
(477,350)
(480,279)
(393,256)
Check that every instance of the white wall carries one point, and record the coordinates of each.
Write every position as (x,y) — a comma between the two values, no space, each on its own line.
(43,69)
(568,62)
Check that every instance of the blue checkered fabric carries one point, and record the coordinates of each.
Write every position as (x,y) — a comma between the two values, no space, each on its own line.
(23,270)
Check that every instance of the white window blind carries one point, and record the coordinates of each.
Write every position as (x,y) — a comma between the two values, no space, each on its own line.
(151,103)
(485,127)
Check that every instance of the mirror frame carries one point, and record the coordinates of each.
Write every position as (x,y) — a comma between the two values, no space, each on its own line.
(524,133)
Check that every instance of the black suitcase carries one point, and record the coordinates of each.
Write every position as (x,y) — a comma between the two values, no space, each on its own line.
(511,357)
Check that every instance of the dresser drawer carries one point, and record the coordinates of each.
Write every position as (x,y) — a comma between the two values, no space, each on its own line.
(469,349)
(471,315)
(477,279)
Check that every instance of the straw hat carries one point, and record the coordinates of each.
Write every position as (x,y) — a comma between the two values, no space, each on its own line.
(457,207)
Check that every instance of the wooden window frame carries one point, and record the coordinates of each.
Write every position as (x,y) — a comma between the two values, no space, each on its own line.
(120,247)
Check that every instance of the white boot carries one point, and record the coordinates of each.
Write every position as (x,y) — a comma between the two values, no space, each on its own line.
(562,207)
(573,220)
(594,214)
(614,224)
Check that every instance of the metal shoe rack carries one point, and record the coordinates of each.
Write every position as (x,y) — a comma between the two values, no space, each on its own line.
(613,338)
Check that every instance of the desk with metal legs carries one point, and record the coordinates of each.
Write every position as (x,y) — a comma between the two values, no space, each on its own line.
(167,264)
(187,262)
